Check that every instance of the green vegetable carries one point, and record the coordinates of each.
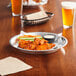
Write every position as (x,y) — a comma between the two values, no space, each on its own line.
(29,38)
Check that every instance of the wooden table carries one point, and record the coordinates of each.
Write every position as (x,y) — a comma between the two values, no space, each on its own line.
(60,63)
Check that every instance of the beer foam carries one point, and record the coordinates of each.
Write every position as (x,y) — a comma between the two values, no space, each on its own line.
(68,5)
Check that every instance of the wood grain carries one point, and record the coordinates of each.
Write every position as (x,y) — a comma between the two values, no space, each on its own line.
(60,63)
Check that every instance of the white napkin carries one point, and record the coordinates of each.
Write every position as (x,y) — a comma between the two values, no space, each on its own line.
(36,15)
(11,65)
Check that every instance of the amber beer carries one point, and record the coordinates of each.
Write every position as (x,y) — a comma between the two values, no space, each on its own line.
(16,24)
(16,7)
(67,14)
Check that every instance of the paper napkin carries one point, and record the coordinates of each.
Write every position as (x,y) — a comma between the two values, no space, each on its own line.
(11,65)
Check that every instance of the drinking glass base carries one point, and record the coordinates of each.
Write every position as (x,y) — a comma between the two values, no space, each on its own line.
(13,14)
(66,27)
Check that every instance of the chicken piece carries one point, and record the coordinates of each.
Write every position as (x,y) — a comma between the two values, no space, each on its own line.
(41,47)
(37,41)
(24,44)
(40,41)
(43,41)
(37,1)
(31,46)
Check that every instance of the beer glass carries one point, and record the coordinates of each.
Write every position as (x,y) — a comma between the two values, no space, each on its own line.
(68,13)
(16,7)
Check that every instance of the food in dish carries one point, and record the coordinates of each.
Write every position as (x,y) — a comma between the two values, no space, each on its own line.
(37,1)
(49,37)
(33,42)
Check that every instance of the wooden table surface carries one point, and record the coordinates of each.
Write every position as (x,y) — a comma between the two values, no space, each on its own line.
(60,63)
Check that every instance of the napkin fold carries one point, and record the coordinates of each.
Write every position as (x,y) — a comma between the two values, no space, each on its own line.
(11,65)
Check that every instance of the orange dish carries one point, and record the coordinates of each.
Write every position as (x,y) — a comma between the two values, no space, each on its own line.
(34,43)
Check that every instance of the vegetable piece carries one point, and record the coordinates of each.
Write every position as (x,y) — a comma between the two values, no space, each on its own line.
(29,38)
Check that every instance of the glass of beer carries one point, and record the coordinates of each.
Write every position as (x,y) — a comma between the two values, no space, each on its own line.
(16,7)
(68,13)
